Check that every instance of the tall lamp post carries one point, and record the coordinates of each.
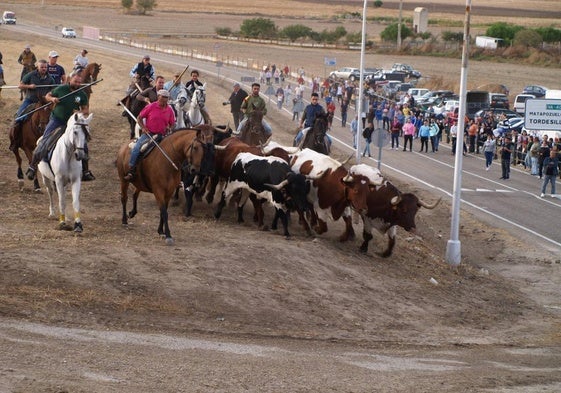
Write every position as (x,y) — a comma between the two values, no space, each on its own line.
(399,25)
(453,247)
(359,103)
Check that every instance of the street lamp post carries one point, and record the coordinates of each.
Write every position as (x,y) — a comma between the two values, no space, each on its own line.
(453,247)
(359,104)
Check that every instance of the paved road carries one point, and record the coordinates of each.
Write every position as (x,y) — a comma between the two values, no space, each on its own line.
(512,204)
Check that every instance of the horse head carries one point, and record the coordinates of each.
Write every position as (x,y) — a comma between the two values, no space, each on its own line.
(199,96)
(94,71)
(77,134)
(319,129)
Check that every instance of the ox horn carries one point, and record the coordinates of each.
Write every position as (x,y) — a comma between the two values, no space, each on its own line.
(347,160)
(395,200)
(348,178)
(266,142)
(218,147)
(277,186)
(427,206)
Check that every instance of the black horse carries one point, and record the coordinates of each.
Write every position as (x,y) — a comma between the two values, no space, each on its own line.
(316,138)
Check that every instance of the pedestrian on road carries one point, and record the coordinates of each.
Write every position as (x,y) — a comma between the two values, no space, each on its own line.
(489,150)
(551,170)
(506,152)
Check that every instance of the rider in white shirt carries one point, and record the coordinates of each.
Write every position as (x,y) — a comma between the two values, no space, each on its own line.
(81,61)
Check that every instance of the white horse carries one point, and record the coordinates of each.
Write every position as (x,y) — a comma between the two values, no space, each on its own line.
(179,105)
(65,168)
(195,116)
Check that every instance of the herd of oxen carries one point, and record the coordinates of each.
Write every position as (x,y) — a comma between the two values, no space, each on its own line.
(313,185)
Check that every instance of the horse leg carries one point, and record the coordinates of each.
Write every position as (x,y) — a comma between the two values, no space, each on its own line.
(19,172)
(49,184)
(76,203)
(134,210)
(61,191)
(164,224)
(124,196)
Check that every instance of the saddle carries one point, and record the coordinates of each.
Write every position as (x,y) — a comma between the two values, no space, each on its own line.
(45,147)
(147,146)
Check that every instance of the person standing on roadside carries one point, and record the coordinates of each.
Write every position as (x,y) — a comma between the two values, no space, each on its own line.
(236,100)
(551,170)
(489,150)
(344,110)
(506,153)
(408,132)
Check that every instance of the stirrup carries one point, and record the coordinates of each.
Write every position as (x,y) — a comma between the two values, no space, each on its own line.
(88,176)
(30,173)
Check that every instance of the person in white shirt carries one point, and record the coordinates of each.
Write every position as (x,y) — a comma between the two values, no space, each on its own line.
(81,61)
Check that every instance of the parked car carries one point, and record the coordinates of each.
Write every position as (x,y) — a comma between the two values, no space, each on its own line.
(497,112)
(406,68)
(68,32)
(344,73)
(538,91)
(366,74)
(520,102)
(431,96)
(416,93)
(498,100)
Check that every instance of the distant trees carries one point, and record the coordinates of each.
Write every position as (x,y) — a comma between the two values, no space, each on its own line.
(143,6)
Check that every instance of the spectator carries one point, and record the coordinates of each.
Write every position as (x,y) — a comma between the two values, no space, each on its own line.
(344,110)
(424,133)
(543,152)
(506,152)
(367,135)
(408,132)
(551,170)
(489,151)
(395,130)
(354,130)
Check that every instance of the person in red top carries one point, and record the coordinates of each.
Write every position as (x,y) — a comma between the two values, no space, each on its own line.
(156,118)
(330,111)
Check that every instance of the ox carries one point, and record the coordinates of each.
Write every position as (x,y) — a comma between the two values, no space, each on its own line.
(269,178)
(333,191)
(388,208)
(224,160)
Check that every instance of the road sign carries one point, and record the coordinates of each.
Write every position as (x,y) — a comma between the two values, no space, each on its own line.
(330,61)
(380,137)
(543,114)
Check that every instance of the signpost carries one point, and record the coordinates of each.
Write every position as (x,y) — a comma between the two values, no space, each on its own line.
(543,115)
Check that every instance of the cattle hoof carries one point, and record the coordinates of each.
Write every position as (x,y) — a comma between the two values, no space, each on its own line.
(363,250)
(78,228)
(169,241)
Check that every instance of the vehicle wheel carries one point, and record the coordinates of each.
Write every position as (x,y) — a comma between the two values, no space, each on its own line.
(352,78)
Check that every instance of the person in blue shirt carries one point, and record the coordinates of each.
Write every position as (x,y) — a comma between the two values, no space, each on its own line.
(310,112)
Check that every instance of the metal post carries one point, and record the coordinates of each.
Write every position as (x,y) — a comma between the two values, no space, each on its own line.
(359,107)
(399,25)
(453,247)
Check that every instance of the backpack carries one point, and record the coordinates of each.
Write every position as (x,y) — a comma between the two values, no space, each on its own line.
(367,133)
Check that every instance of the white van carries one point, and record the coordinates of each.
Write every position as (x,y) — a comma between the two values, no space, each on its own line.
(9,18)
(417,93)
(520,102)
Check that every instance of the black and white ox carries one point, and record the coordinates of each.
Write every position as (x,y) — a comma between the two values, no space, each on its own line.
(269,178)
(387,209)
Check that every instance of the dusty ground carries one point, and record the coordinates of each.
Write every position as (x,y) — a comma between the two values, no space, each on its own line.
(115,309)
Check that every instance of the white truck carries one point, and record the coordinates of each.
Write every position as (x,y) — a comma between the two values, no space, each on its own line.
(9,18)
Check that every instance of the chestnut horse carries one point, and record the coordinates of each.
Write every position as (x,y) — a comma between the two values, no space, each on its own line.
(31,129)
(89,75)
(157,175)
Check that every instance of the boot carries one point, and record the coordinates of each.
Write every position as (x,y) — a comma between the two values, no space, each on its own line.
(32,167)
(130,174)
(87,175)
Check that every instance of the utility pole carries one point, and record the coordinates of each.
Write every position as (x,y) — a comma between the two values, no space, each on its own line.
(399,25)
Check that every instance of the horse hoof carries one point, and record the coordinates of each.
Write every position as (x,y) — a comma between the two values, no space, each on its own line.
(78,228)
(64,227)
(169,241)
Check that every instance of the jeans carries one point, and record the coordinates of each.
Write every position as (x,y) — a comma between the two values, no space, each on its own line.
(395,138)
(136,149)
(489,158)
(407,139)
(549,179)
(366,148)
(26,102)
(505,166)
(534,165)
(266,126)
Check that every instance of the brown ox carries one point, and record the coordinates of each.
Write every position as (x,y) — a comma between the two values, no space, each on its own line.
(333,190)
(388,208)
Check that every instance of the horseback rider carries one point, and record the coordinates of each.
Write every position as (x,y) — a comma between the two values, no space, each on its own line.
(191,86)
(156,118)
(142,74)
(28,60)
(313,109)
(63,109)
(81,61)
(31,83)
(252,103)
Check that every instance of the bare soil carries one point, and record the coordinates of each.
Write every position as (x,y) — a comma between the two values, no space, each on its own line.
(229,308)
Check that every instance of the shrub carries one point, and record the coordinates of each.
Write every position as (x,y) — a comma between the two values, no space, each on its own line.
(258,28)
(528,38)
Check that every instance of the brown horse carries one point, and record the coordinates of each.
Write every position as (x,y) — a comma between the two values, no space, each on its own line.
(31,129)
(89,75)
(157,175)
(253,133)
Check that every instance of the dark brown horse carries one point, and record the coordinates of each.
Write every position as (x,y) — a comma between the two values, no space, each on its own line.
(316,138)
(253,133)
(31,129)
(157,175)
(89,75)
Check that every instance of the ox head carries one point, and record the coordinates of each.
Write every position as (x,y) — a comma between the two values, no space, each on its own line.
(404,208)
(356,191)
(294,190)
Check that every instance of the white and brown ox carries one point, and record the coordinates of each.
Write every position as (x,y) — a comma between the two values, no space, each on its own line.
(333,192)
(388,208)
